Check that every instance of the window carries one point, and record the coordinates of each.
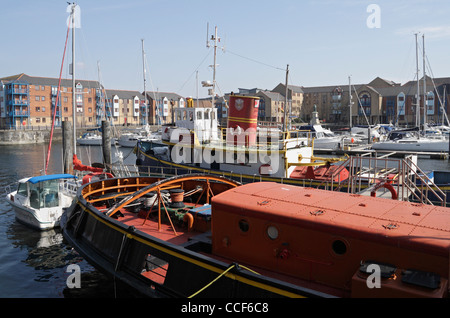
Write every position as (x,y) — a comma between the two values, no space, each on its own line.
(37,98)
(42,98)
(38,109)
(43,120)
(36,87)
(66,109)
(23,190)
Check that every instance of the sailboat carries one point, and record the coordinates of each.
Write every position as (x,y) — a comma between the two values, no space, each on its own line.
(415,140)
(39,201)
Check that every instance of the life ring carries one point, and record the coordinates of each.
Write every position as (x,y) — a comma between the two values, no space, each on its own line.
(189,219)
(88,178)
(383,184)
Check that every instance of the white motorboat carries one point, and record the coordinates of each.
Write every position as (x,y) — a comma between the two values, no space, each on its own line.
(129,139)
(93,139)
(90,139)
(325,139)
(39,201)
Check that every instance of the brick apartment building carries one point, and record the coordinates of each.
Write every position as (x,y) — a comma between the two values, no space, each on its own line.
(28,102)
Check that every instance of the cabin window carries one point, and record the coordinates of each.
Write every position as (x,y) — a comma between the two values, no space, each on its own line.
(272,232)
(199,115)
(339,247)
(243,225)
(22,190)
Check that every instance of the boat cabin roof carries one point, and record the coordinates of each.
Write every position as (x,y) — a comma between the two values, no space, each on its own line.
(365,217)
(49,177)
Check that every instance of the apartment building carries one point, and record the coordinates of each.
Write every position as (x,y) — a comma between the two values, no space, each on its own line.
(161,105)
(29,102)
(125,107)
(380,101)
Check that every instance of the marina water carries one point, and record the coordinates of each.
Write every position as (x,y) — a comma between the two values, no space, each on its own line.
(35,264)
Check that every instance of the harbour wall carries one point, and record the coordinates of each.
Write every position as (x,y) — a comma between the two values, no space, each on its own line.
(35,136)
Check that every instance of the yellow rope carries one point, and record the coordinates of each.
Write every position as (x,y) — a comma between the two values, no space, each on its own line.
(226,271)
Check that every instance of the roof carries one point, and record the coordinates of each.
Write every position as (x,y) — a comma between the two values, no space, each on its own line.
(51,177)
(275,96)
(123,94)
(48,81)
(161,95)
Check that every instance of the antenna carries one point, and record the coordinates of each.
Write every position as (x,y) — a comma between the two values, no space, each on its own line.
(207,35)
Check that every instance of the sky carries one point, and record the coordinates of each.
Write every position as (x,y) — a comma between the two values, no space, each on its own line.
(324,42)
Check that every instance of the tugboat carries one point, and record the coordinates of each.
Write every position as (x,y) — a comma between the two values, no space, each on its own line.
(197,236)
(241,152)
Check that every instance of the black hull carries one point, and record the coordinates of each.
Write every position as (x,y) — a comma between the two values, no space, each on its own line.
(121,252)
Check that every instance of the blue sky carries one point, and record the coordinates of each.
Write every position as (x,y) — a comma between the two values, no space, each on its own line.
(323,41)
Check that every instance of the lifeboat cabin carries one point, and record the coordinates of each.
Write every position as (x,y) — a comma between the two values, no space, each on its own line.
(342,244)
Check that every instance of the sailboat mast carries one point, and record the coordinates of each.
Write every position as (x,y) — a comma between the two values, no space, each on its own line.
(418,88)
(425,99)
(74,118)
(350,101)
(145,89)
(285,101)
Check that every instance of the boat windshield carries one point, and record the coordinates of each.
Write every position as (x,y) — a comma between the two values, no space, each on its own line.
(44,194)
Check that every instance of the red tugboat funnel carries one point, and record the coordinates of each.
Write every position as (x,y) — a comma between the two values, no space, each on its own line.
(242,120)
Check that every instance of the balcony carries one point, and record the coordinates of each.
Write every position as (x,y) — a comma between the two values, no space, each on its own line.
(17,102)
(19,113)
(17,91)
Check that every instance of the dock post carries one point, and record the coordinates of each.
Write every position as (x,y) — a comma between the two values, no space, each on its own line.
(106,144)
(67,147)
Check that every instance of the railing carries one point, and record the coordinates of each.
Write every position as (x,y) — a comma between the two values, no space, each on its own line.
(410,182)
(365,172)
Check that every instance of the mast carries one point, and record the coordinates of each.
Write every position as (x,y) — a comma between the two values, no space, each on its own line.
(145,93)
(418,88)
(73,81)
(425,99)
(285,101)
(214,69)
(350,101)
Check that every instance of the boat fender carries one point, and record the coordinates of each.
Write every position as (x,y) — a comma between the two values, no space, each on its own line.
(189,219)
(384,185)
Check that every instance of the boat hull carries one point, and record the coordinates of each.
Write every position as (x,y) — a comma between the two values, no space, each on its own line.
(89,142)
(35,219)
(413,146)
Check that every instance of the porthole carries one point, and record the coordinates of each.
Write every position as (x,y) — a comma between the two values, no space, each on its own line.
(243,226)
(339,247)
(272,232)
